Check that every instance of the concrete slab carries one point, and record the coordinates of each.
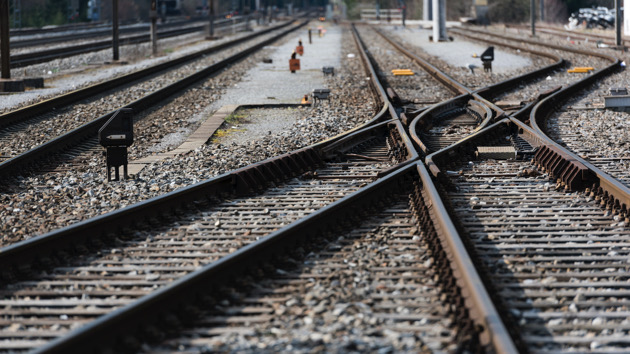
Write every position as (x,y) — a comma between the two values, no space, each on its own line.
(11,85)
(195,140)
(270,83)
(459,52)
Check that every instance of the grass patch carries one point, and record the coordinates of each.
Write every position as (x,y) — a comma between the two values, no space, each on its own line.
(221,133)
(236,118)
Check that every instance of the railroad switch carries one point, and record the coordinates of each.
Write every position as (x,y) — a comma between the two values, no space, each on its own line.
(116,136)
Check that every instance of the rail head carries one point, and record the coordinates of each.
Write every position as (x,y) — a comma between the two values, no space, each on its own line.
(379,92)
(453,85)
(494,332)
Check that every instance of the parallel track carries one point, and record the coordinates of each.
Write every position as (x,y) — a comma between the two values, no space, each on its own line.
(86,133)
(540,247)
(510,282)
(42,56)
(149,260)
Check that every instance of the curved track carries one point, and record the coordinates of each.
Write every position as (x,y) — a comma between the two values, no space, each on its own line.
(525,241)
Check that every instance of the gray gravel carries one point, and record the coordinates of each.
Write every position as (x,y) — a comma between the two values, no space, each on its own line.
(41,203)
(255,124)
(64,75)
(36,132)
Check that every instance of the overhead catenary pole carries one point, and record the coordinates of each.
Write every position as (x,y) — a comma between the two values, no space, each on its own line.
(439,20)
(211,13)
(533,17)
(153,15)
(427,10)
(5,61)
(618,23)
(115,29)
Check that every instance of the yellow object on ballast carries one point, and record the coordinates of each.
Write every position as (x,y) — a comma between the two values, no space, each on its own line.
(581,69)
(402,72)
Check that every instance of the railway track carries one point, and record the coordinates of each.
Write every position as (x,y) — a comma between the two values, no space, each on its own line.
(30,149)
(510,234)
(81,33)
(542,247)
(351,148)
(392,301)
(138,262)
(586,36)
(42,56)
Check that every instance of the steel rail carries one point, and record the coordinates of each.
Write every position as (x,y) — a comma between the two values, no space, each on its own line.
(442,77)
(57,102)
(616,194)
(562,32)
(26,59)
(444,108)
(547,45)
(452,84)
(557,161)
(111,331)
(116,330)
(494,334)
(89,130)
(32,253)
(375,83)
(490,92)
(76,27)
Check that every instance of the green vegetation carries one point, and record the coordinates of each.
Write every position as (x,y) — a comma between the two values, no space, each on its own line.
(236,118)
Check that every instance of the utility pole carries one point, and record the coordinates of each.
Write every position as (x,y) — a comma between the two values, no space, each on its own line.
(618,23)
(211,13)
(439,21)
(4,40)
(153,15)
(114,29)
(533,16)
(404,11)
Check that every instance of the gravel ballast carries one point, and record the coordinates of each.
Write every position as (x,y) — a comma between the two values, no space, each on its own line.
(42,203)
